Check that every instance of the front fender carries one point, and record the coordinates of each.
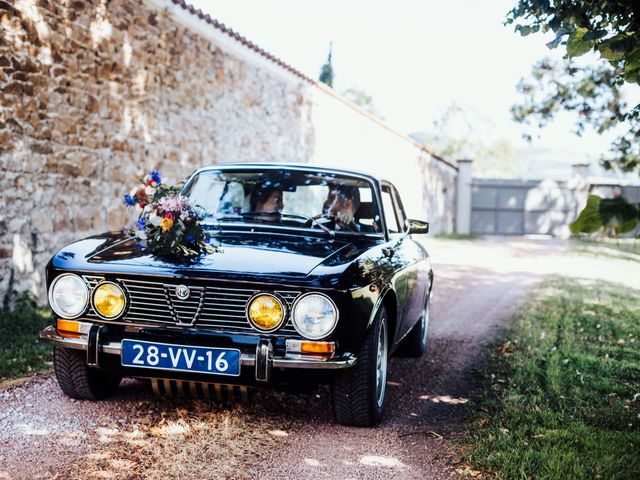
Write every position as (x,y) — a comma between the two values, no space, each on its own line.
(358,314)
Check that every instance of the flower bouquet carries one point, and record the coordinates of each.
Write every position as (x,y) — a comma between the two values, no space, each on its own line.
(168,224)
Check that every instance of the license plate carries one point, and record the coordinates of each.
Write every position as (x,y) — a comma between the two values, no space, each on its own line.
(183,358)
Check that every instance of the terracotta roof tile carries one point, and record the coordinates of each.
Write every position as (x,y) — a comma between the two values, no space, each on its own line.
(243,40)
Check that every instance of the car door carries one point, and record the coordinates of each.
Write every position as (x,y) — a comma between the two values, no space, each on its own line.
(415,274)
(397,257)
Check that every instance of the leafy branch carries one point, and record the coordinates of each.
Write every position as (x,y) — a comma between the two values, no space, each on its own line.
(609,29)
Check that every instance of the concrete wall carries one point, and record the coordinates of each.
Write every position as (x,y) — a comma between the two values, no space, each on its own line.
(91,92)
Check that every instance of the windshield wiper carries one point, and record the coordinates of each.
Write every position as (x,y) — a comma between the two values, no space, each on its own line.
(240,216)
(215,223)
(297,216)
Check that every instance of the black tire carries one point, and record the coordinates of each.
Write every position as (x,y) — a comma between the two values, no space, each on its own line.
(357,398)
(415,343)
(79,381)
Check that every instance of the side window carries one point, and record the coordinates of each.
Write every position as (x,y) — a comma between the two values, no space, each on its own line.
(389,211)
(402,217)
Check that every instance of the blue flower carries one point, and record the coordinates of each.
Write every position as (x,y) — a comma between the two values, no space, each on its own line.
(140,224)
(128,200)
(155,176)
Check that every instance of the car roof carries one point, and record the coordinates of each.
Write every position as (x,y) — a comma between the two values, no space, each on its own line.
(292,166)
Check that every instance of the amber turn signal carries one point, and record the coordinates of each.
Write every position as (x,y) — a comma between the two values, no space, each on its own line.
(312,348)
(68,328)
(317,347)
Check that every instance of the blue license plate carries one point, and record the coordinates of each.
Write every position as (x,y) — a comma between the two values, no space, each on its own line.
(183,358)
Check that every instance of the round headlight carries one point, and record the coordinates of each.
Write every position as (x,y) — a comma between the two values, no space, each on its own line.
(108,300)
(265,312)
(68,295)
(314,316)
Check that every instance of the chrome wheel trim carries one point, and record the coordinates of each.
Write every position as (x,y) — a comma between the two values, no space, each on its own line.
(381,364)
(425,324)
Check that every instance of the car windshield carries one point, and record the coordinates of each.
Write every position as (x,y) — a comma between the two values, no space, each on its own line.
(324,201)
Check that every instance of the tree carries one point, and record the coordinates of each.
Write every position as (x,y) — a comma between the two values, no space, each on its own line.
(326,72)
(610,30)
(593,93)
(362,99)
(461,133)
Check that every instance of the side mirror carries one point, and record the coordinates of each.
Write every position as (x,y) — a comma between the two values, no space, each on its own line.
(418,226)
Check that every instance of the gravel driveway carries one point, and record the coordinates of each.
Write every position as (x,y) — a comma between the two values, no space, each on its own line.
(136,435)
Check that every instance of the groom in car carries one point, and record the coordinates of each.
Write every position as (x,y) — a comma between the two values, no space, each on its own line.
(341,205)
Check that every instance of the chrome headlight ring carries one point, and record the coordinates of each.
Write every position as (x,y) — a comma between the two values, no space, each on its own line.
(327,331)
(124,295)
(283,306)
(84,291)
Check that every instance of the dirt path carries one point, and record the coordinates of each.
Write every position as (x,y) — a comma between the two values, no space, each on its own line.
(136,435)
(427,396)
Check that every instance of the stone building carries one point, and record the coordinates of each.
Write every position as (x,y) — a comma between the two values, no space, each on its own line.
(92,92)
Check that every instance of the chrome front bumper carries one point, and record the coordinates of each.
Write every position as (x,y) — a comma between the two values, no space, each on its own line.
(347,360)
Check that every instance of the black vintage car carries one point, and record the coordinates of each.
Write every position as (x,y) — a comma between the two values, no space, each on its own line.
(317,279)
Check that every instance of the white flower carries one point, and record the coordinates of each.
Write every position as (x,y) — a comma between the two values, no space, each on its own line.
(141,235)
(149,190)
(147,208)
(154,220)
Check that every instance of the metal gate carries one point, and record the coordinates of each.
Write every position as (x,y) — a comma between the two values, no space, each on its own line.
(517,207)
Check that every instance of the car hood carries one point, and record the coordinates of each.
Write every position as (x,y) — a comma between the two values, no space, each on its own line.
(253,255)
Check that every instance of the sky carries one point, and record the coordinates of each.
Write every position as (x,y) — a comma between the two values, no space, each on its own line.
(415,58)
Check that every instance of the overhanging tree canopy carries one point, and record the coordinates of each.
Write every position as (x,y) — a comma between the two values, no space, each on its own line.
(608,28)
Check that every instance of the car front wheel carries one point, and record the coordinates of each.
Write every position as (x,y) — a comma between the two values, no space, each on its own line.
(79,381)
(359,392)
(415,343)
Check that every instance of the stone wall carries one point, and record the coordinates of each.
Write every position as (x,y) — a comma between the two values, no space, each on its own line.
(92,92)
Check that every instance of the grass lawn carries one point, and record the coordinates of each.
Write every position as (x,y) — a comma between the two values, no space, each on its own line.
(561,396)
(607,246)
(458,236)
(21,351)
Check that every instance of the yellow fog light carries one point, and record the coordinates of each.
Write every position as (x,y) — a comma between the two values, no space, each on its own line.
(265,312)
(108,300)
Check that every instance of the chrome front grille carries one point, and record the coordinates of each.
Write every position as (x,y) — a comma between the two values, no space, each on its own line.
(156,303)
